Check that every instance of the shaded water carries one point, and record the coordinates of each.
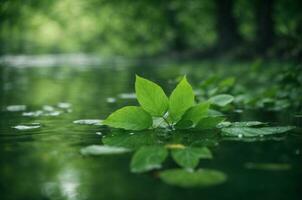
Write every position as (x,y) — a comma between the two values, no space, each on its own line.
(45,162)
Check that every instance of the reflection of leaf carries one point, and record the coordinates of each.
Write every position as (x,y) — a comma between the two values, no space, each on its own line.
(254,132)
(193,115)
(129,118)
(148,158)
(221,100)
(199,178)
(189,157)
(181,99)
(209,122)
(132,140)
(151,97)
(103,150)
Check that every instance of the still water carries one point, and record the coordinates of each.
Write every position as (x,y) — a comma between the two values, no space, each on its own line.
(40,143)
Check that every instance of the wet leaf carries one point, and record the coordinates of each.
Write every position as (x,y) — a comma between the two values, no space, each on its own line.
(254,132)
(151,97)
(194,114)
(187,179)
(103,150)
(181,99)
(129,118)
(221,100)
(240,124)
(247,124)
(209,122)
(148,158)
(189,157)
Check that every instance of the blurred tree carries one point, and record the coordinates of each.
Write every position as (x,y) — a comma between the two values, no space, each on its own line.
(265,34)
(226,25)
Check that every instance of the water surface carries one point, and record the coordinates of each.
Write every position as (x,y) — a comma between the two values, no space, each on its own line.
(44,162)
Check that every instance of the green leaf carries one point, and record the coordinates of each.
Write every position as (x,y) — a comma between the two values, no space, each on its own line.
(189,157)
(103,150)
(129,118)
(209,122)
(181,99)
(148,158)
(151,97)
(254,132)
(226,124)
(221,100)
(194,114)
(187,179)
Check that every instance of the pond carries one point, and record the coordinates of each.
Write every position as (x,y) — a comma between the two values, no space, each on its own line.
(48,114)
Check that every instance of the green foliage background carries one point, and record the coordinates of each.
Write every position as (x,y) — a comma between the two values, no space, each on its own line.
(135,28)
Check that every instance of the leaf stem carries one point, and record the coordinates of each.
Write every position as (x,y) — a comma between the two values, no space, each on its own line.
(168,123)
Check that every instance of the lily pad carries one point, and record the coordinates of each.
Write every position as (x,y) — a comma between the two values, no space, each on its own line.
(221,100)
(254,132)
(187,179)
(88,122)
(103,150)
(26,127)
(16,108)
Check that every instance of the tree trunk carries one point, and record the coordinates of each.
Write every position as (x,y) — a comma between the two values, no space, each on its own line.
(226,25)
(265,33)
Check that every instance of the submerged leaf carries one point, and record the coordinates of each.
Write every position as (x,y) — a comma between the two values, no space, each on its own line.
(151,97)
(181,99)
(254,132)
(209,122)
(199,178)
(221,100)
(148,158)
(103,150)
(129,118)
(189,157)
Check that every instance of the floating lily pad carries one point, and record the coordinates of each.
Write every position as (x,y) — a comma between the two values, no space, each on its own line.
(64,105)
(26,127)
(254,132)
(187,179)
(127,96)
(221,100)
(103,150)
(88,122)
(240,124)
(16,108)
